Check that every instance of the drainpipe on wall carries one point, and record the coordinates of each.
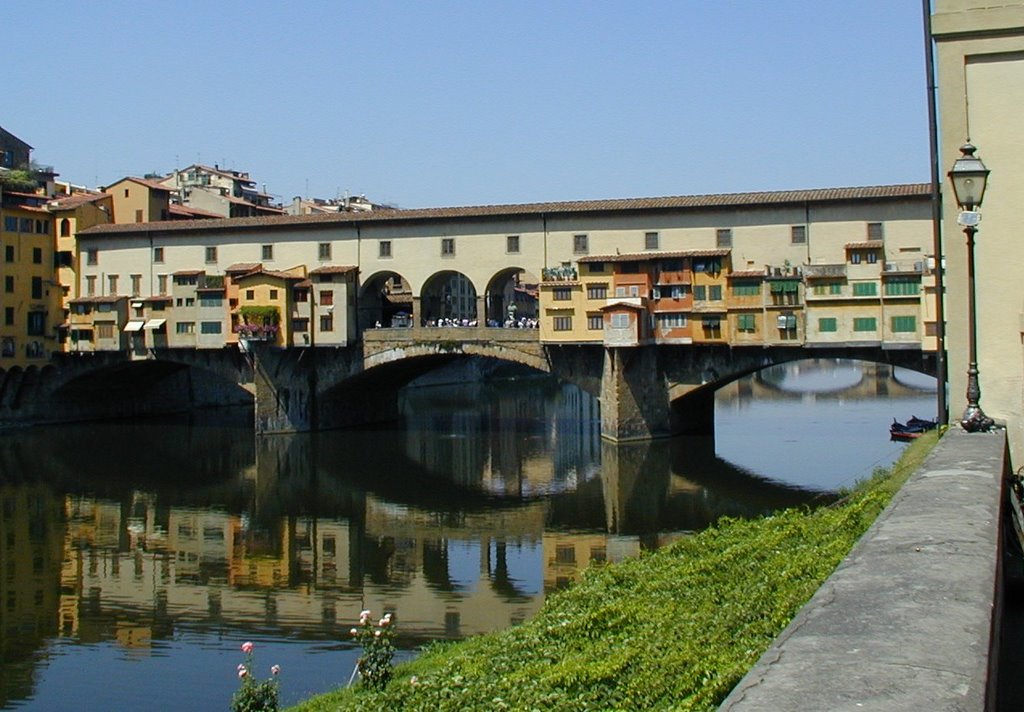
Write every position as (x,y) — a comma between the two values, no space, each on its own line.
(933,151)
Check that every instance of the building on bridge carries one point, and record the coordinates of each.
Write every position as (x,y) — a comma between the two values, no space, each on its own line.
(830,266)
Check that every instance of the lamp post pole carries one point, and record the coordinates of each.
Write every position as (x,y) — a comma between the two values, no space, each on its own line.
(969,176)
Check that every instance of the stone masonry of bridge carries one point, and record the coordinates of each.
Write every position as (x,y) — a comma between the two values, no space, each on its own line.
(644,392)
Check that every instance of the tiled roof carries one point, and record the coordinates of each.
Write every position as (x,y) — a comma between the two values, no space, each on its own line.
(188,273)
(106,299)
(863,245)
(151,184)
(243,267)
(333,269)
(271,273)
(72,201)
(746,274)
(683,202)
(185,210)
(814,271)
(647,256)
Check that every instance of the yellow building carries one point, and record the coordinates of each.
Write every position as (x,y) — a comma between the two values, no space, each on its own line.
(30,297)
(979,72)
(137,200)
(266,301)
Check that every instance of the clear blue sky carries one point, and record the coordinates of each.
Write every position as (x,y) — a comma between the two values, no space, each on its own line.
(459,103)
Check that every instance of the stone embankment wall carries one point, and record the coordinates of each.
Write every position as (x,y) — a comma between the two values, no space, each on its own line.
(906,621)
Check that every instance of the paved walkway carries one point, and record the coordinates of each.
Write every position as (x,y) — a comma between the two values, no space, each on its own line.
(905,622)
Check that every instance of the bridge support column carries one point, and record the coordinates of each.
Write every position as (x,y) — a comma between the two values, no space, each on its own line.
(285,383)
(634,398)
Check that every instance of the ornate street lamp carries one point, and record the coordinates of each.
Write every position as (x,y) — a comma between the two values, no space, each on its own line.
(969,176)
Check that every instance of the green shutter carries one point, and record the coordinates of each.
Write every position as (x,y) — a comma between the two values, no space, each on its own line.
(904,324)
(865,289)
(827,324)
(864,323)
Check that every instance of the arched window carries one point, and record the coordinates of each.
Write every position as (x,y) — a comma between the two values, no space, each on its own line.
(65,228)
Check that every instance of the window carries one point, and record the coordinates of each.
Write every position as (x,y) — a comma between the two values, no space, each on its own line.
(865,289)
(595,322)
(37,255)
(327,322)
(327,297)
(9,316)
(185,327)
(597,291)
(92,256)
(798,234)
(273,294)
(672,321)
(746,288)
(824,288)
(827,324)
(9,253)
(250,294)
(90,285)
(512,244)
(323,251)
(104,329)
(36,323)
(903,286)
(211,300)
(561,294)
(579,244)
(136,285)
(596,268)
(301,295)
(715,292)
(855,258)
(787,326)
(10,223)
(712,327)
(161,281)
(723,237)
(709,266)
(864,323)
(872,257)
(300,326)
(384,248)
(26,225)
(620,321)
(700,292)
(37,288)
(158,254)
(138,216)
(650,240)
(447,247)
(904,324)
(267,252)
(563,323)
(746,322)
(211,255)
(112,284)
(65,228)
(211,327)
(875,231)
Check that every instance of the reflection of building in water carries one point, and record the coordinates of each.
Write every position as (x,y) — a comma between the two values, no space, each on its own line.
(566,555)
(32,534)
(136,570)
(495,438)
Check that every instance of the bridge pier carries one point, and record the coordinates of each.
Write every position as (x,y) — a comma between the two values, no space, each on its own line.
(634,401)
(285,390)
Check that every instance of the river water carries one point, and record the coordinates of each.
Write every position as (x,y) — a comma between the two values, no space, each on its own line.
(138,556)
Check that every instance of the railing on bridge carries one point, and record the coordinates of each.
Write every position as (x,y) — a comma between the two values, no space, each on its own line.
(447,334)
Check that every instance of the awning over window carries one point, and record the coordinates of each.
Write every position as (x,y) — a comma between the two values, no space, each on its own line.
(154,323)
(785,285)
(133,326)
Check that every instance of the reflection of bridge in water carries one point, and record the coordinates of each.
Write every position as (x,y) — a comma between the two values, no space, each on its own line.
(828,380)
(149,530)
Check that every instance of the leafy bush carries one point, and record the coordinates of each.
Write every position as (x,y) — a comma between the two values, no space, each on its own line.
(254,695)
(675,629)
(378,641)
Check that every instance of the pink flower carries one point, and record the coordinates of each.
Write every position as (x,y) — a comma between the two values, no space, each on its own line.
(376,634)
(383,622)
(242,673)
(247,647)
(241,666)
(354,631)
(275,669)
(365,614)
